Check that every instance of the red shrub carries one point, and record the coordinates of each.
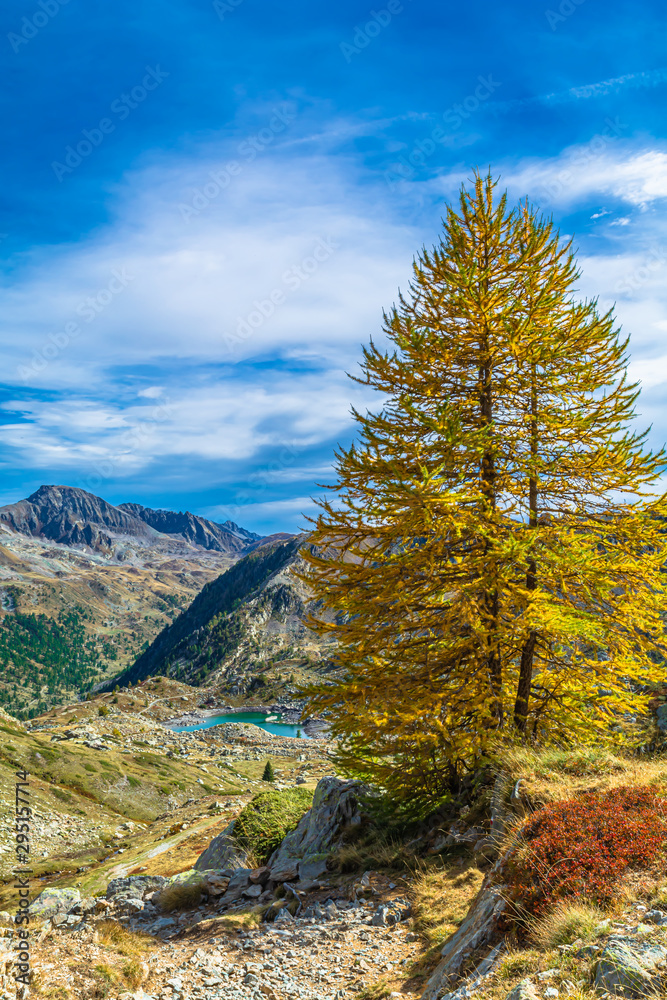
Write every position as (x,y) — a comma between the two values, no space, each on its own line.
(582,846)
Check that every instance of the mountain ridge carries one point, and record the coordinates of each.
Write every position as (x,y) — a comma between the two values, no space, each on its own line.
(227,537)
(72,516)
(212,612)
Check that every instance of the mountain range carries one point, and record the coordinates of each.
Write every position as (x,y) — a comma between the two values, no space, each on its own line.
(71,516)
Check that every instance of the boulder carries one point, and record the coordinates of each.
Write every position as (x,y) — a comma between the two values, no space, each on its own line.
(629,968)
(52,901)
(523,991)
(337,805)
(215,883)
(260,875)
(222,852)
(135,886)
(238,883)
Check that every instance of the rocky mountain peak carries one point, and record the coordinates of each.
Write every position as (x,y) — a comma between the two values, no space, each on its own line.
(72,516)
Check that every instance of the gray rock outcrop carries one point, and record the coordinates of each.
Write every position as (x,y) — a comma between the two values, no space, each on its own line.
(629,968)
(222,852)
(134,885)
(523,991)
(53,901)
(337,806)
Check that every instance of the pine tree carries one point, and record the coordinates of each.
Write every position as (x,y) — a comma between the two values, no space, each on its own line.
(268,772)
(493,556)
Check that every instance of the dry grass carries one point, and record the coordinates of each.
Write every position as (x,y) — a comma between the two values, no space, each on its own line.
(553,774)
(373,854)
(442,895)
(658,896)
(565,924)
(499,991)
(129,944)
(378,991)
(245,920)
(180,896)
(518,963)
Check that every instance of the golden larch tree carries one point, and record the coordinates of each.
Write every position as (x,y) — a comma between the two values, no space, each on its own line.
(493,554)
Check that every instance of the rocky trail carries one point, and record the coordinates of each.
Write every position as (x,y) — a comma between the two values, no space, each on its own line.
(331,954)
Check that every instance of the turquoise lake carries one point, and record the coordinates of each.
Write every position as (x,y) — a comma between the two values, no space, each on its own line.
(257,719)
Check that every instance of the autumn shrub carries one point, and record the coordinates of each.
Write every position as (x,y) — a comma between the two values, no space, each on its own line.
(581,847)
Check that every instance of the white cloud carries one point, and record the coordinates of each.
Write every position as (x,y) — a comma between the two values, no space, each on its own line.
(292,512)
(201,289)
(177,361)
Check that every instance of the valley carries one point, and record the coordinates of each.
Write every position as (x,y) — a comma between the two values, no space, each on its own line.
(85,587)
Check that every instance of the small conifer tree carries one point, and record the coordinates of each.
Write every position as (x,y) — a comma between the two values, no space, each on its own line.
(268,772)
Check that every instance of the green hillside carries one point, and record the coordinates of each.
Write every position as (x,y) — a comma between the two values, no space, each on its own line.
(41,659)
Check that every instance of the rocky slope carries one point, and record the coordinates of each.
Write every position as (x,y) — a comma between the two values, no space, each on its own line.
(227,537)
(70,561)
(245,633)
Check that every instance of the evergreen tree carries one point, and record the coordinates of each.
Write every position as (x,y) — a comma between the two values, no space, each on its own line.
(268,772)
(494,554)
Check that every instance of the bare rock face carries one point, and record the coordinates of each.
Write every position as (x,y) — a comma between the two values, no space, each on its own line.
(630,968)
(71,516)
(227,537)
(337,805)
(480,928)
(223,852)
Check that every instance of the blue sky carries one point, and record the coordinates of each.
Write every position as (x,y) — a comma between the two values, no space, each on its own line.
(207,205)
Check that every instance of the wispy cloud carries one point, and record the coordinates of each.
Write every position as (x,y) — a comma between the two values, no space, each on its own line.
(589,91)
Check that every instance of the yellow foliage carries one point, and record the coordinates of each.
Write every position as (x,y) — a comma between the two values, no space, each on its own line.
(491,567)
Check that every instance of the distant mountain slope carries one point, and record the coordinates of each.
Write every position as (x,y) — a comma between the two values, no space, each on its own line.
(86,585)
(122,603)
(227,537)
(251,614)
